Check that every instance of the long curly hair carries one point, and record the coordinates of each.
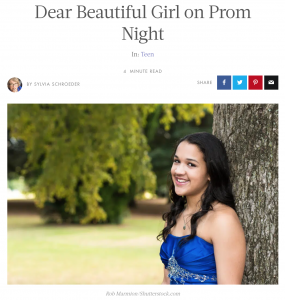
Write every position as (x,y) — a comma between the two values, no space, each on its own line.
(219,188)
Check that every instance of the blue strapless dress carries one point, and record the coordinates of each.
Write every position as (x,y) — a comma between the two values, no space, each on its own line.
(192,263)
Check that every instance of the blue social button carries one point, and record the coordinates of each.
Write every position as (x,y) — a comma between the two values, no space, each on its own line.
(239,82)
(224,82)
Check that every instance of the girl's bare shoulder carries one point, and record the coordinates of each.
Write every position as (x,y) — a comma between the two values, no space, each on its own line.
(223,216)
(220,209)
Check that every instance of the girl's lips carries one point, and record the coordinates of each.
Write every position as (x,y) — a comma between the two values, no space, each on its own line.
(180,183)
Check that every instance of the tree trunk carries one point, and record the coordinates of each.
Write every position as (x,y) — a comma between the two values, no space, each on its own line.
(250,135)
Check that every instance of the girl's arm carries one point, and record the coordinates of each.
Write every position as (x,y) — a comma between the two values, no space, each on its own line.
(166,279)
(229,246)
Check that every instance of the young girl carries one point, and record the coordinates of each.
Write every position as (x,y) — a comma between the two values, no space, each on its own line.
(204,241)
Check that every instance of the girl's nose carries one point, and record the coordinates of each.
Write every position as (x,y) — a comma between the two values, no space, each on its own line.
(179,170)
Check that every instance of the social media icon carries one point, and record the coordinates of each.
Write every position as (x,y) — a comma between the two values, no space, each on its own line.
(255,82)
(224,82)
(239,82)
(270,82)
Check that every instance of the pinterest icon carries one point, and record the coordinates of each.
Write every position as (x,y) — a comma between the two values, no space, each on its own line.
(255,82)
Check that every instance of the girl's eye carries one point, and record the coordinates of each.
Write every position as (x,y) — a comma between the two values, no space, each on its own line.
(176,161)
(191,165)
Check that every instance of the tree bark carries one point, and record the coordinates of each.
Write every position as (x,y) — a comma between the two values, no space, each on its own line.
(250,135)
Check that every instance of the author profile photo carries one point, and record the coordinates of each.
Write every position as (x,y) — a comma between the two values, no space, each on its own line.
(14,84)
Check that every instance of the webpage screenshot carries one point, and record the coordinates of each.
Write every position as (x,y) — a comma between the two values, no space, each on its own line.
(142,148)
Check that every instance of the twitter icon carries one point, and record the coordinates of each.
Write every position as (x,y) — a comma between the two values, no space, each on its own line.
(239,82)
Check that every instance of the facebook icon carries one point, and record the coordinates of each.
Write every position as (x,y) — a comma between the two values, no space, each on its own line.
(224,82)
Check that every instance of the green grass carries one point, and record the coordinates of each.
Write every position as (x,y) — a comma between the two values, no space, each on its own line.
(102,254)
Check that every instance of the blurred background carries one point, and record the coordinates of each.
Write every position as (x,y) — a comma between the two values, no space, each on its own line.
(87,187)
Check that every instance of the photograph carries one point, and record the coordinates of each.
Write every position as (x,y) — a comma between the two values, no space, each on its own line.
(185,193)
(14,85)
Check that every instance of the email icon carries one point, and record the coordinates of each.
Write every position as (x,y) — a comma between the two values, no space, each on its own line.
(271,82)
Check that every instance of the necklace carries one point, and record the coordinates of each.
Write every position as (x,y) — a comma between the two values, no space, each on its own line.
(184,227)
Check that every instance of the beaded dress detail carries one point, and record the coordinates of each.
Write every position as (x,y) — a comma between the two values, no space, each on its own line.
(192,263)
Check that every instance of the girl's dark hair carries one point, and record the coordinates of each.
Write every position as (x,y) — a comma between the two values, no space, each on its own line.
(219,188)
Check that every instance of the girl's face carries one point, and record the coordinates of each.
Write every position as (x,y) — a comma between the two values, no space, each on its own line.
(189,171)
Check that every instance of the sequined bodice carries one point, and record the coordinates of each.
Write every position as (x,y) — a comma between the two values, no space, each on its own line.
(193,263)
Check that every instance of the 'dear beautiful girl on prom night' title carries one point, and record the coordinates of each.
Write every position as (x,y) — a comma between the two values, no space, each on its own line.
(203,240)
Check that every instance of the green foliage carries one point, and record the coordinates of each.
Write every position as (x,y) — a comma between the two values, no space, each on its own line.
(77,150)
(17,184)
(55,211)
(185,112)
(115,203)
